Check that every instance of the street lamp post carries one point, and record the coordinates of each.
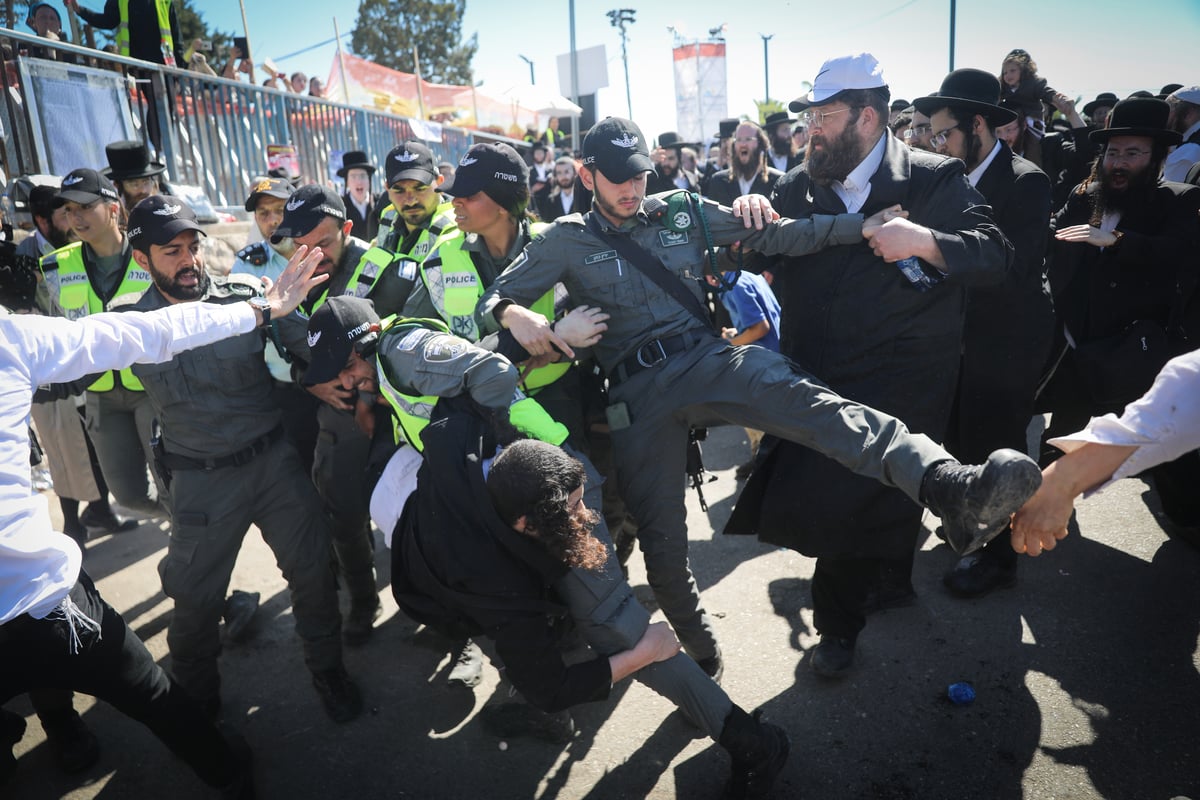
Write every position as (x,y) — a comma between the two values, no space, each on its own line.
(766,67)
(528,61)
(620,18)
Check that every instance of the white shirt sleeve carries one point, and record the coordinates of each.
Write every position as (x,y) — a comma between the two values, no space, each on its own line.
(1163,424)
(58,350)
(38,566)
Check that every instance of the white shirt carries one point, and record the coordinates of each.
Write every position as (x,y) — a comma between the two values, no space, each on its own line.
(855,189)
(38,566)
(1180,160)
(977,173)
(1164,423)
(566,198)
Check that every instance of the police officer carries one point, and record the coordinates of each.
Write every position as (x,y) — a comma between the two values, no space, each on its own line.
(85,277)
(668,370)
(420,357)
(222,450)
(316,217)
(416,213)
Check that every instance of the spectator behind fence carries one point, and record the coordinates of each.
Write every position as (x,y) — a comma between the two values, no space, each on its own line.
(132,172)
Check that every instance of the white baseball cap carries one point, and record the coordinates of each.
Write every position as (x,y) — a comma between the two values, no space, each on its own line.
(1188,94)
(856,71)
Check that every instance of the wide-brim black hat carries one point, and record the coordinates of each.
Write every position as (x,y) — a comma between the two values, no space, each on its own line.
(673,139)
(355,159)
(1139,116)
(972,90)
(1106,99)
(130,159)
(776,118)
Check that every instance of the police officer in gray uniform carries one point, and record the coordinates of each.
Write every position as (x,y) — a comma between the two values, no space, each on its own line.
(228,466)
(316,217)
(668,370)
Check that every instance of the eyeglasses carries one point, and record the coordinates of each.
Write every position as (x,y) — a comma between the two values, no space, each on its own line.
(816,119)
(939,138)
(1124,155)
(917,130)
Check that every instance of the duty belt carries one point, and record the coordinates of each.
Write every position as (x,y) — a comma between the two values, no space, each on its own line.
(174,461)
(651,354)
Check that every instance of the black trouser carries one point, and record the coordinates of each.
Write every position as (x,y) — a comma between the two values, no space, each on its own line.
(116,667)
(841,586)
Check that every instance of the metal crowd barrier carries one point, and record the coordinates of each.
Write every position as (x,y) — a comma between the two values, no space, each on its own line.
(63,103)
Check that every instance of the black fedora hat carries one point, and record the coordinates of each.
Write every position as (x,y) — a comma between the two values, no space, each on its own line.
(130,159)
(673,139)
(1104,99)
(973,90)
(776,118)
(355,159)
(1139,116)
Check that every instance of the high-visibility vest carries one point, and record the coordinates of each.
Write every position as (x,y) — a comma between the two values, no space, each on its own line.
(392,231)
(163,10)
(461,289)
(412,412)
(77,299)
(366,274)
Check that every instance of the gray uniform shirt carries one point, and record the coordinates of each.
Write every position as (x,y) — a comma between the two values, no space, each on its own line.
(639,310)
(427,362)
(213,400)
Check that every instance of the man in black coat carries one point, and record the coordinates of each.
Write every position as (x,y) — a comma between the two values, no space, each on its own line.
(669,173)
(748,172)
(360,201)
(1126,253)
(879,330)
(1008,327)
(784,153)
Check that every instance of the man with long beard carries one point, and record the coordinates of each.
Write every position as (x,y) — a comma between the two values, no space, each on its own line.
(1125,251)
(748,171)
(222,454)
(884,332)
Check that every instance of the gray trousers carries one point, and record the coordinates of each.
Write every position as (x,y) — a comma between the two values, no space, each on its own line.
(714,383)
(119,422)
(210,514)
(610,619)
(339,472)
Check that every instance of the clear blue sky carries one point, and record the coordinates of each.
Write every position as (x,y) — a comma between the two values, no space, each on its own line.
(1082,47)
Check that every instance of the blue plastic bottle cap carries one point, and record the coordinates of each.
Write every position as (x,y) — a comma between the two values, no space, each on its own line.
(961,694)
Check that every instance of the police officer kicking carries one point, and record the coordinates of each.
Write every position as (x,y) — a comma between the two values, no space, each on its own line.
(228,466)
(639,260)
(457,401)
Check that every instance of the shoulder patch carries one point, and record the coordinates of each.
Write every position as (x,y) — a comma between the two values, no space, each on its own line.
(255,254)
(123,301)
(238,284)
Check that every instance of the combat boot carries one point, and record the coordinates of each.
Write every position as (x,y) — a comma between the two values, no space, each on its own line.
(975,502)
(759,751)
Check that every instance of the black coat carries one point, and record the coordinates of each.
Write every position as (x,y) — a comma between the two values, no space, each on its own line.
(364,228)
(550,208)
(656,183)
(1098,292)
(458,567)
(1009,327)
(723,187)
(855,322)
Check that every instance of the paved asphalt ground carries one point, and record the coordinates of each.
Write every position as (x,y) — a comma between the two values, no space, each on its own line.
(1087,675)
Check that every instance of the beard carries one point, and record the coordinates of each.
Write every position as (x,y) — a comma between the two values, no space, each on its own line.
(58,237)
(1138,186)
(746,165)
(836,157)
(171,287)
(667,171)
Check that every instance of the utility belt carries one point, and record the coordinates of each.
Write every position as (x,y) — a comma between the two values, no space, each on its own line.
(653,353)
(167,463)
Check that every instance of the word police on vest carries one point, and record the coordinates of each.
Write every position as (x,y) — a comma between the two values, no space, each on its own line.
(341,325)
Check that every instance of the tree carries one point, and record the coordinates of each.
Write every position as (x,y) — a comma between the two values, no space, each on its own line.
(387,30)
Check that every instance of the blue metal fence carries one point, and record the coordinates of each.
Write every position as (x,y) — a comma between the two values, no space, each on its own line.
(215,132)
